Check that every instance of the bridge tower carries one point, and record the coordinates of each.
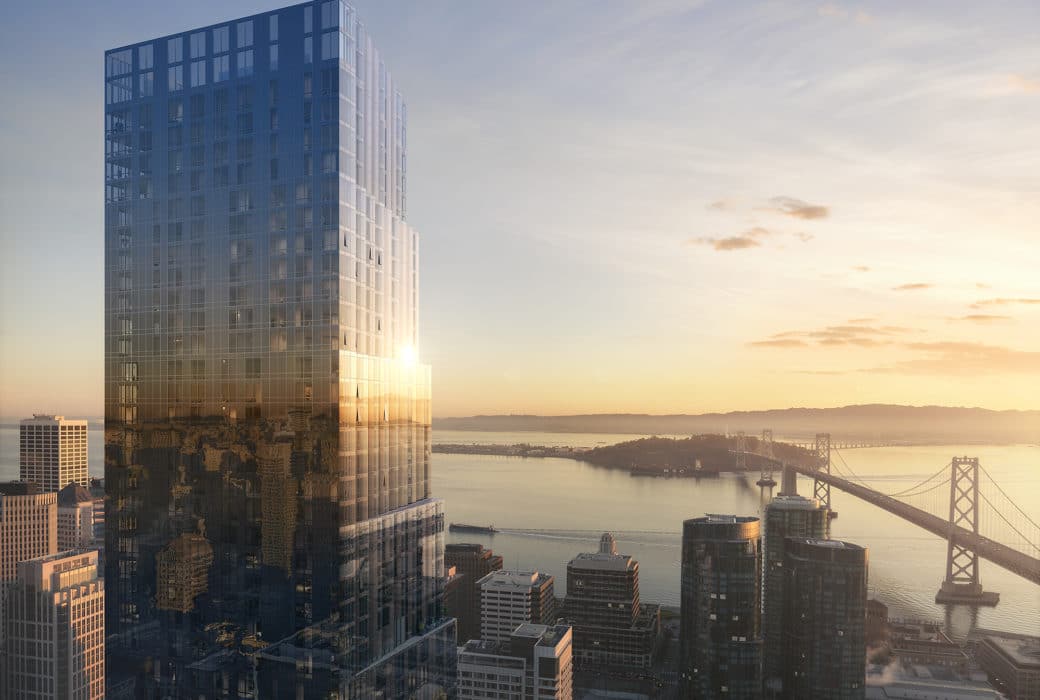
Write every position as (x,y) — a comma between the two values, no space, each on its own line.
(962,564)
(741,464)
(822,489)
(765,448)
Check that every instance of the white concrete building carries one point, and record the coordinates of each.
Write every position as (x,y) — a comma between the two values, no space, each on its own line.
(28,529)
(55,646)
(75,518)
(534,663)
(53,451)
(511,598)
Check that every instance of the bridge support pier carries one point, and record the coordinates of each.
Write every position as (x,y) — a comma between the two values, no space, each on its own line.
(961,586)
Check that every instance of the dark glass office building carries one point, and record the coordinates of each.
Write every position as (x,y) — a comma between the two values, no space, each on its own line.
(472,562)
(271,530)
(720,644)
(825,599)
(787,515)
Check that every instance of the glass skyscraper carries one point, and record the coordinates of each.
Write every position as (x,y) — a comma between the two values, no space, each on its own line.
(824,615)
(720,643)
(271,530)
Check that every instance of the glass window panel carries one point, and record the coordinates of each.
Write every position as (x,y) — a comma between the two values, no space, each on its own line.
(274,56)
(198,45)
(273,31)
(329,45)
(244,34)
(198,73)
(308,19)
(146,85)
(308,49)
(145,57)
(328,14)
(221,68)
(118,63)
(175,50)
(175,78)
(245,63)
(221,39)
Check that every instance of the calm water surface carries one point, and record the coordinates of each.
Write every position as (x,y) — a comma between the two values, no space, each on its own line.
(551,509)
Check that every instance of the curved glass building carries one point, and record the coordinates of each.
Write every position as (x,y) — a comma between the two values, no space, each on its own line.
(267,426)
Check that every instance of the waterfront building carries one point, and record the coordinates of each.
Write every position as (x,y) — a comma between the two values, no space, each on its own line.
(787,515)
(825,598)
(1012,663)
(267,425)
(75,518)
(55,629)
(472,562)
(511,598)
(533,663)
(720,645)
(52,451)
(612,628)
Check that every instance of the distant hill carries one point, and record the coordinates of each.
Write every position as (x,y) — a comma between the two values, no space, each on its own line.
(941,424)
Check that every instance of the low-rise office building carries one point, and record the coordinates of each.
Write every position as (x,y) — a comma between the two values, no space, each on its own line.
(534,663)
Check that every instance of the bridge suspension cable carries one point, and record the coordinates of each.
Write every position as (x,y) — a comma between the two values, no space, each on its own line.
(1008,498)
(919,489)
(910,492)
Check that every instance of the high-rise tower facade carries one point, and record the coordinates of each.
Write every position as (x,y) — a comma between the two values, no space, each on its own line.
(720,645)
(787,515)
(267,454)
(55,629)
(52,451)
(825,599)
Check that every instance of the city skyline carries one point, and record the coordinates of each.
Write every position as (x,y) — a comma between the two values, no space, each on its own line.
(841,214)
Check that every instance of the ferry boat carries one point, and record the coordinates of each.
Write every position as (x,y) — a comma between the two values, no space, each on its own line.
(482,529)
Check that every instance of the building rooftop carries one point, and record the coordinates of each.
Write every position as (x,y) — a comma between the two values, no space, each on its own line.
(930,690)
(829,544)
(504,579)
(45,418)
(1022,652)
(783,502)
(530,630)
(600,561)
(74,494)
(19,488)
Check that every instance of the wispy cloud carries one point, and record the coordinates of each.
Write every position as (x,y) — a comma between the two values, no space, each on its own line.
(856,333)
(912,287)
(980,318)
(789,206)
(959,359)
(1006,301)
(721,205)
(748,239)
(779,343)
(860,268)
(836,11)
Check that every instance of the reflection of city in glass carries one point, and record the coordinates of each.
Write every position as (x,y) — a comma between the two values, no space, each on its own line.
(267,452)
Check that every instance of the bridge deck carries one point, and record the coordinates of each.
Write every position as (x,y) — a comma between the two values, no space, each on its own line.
(1000,554)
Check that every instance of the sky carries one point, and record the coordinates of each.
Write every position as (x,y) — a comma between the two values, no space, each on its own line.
(653,207)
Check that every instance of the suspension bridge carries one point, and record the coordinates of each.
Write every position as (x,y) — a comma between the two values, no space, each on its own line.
(961,502)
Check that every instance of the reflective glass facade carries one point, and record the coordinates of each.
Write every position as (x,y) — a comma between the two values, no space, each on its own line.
(720,644)
(267,454)
(824,615)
